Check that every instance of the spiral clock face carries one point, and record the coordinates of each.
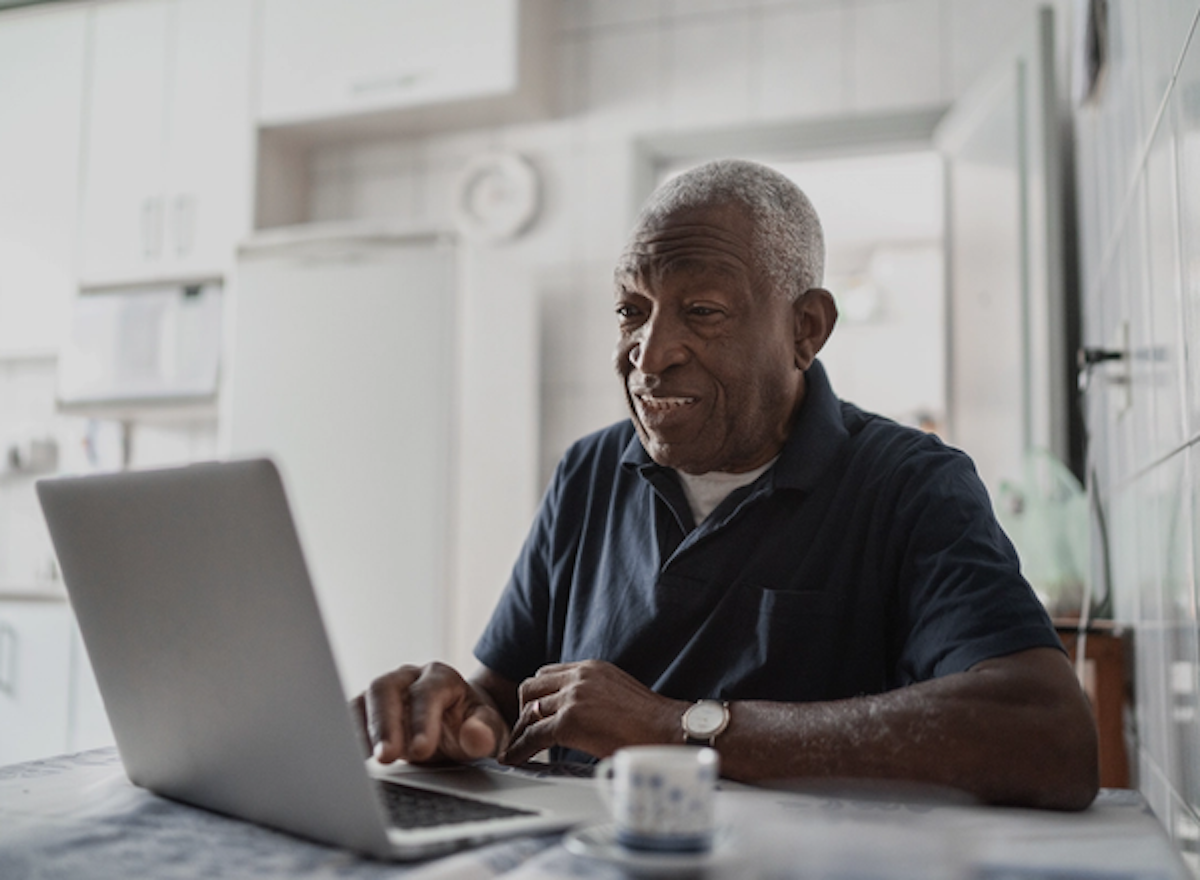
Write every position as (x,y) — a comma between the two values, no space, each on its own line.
(497,197)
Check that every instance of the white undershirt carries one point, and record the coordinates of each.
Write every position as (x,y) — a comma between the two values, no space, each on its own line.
(705,491)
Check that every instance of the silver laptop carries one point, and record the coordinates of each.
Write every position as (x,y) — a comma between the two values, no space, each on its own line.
(196,608)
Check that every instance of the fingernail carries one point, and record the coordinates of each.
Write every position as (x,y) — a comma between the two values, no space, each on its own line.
(378,751)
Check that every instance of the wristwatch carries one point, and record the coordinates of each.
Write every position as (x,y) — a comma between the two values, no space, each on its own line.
(704,721)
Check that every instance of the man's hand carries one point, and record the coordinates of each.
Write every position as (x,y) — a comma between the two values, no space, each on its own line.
(592,706)
(430,713)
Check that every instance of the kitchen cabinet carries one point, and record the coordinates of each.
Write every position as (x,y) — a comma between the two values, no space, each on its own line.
(49,702)
(1106,680)
(35,674)
(352,64)
(168,158)
(87,722)
(42,56)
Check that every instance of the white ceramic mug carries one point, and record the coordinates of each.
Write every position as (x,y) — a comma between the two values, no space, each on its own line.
(661,797)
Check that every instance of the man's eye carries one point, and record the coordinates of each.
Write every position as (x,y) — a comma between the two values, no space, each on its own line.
(702,311)
(624,310)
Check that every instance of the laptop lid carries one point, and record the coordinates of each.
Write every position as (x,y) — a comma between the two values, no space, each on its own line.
(199,618)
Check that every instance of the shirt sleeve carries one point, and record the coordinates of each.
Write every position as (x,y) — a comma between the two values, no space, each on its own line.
(963,597)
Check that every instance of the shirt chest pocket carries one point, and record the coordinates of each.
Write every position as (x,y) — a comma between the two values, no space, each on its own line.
(746,605)
(748,641)
(793,639)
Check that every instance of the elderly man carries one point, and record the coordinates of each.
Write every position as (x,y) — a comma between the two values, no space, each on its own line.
(750,562)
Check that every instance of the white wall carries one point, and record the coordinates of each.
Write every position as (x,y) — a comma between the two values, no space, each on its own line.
(1139,180)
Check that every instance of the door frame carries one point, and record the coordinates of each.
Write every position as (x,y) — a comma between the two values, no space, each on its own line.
(804,139)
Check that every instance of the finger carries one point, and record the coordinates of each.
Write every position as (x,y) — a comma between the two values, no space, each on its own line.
(534,738)
(358,711)
(429,698)
(542,684)
(481,734)
(533,712)
(384,705)
(557,668)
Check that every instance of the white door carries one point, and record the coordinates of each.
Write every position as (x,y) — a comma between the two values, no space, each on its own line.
(35,670)
(1009,366)
(123,203)
(41,108)
(342,372)
(168,181)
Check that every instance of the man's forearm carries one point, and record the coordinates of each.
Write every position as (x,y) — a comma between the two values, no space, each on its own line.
(1012,730)
(1008,731)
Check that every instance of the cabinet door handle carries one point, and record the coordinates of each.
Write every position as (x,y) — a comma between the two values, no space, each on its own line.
(8,659)
(185,224)
(152,222)
(396,81)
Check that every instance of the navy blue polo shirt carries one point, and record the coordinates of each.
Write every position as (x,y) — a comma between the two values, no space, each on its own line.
(866,558)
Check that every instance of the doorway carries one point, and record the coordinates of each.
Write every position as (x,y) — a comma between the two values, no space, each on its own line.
(997,192)
(883,218)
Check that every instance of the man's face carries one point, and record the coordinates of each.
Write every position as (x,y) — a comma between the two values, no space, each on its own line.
(706,350)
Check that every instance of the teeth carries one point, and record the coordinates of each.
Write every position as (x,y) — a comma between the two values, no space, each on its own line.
(662,404)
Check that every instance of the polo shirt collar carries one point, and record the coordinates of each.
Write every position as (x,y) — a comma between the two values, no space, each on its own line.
(816,440)
(817,437)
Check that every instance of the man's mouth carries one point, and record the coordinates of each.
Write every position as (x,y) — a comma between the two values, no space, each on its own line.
(669,413)
(656,405)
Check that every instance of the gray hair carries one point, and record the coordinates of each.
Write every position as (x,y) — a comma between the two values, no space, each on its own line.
(789,245)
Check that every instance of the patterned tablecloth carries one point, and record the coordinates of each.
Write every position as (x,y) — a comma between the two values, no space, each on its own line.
(79,816)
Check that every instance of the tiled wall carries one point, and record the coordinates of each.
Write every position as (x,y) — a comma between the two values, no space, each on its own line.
(1138,146)
(627,68)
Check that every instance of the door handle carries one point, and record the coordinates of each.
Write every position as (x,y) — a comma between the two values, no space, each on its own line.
(184,224)
(8,659)
(1088,359)
(152,222)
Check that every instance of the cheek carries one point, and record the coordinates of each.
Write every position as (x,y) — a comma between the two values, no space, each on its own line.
(756,383)
(620,357)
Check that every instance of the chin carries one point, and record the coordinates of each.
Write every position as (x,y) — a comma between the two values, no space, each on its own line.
(668,454)
(671,457)
(662,453)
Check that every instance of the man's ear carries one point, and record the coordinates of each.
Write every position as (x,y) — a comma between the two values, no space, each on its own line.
(813,313)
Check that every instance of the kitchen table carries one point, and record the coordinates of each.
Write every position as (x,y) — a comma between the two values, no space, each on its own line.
(79,816)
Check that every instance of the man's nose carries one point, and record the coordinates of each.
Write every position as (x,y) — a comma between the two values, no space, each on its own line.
(660,344)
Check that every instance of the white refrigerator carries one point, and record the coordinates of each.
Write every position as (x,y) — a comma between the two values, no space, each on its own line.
(341,369)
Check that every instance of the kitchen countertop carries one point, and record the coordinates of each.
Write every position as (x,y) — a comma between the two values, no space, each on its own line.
(15,593)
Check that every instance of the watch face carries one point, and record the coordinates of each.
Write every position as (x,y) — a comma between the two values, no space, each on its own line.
(704,719)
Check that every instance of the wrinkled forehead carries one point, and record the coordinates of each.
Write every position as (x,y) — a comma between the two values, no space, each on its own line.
(716,239)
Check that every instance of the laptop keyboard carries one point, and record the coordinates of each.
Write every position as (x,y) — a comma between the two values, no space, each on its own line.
(409,807)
